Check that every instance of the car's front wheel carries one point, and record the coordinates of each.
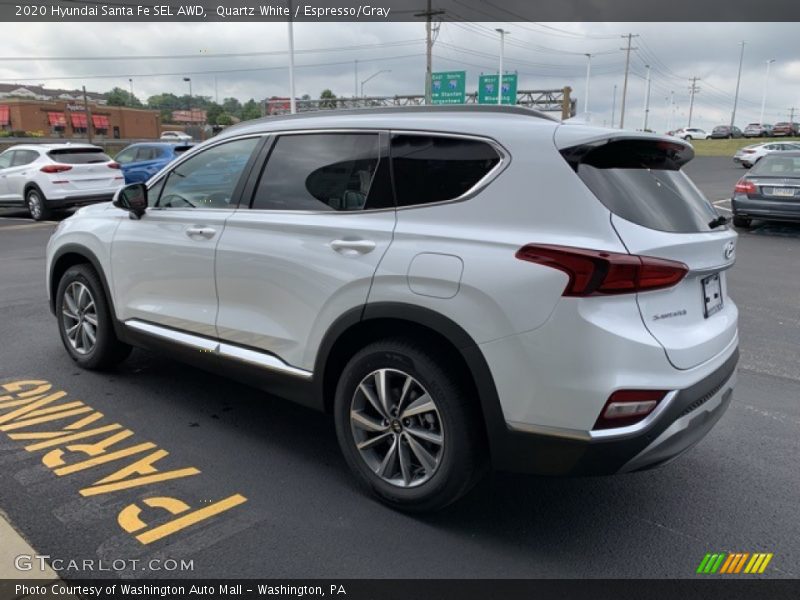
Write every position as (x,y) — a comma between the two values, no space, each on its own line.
(688,138)
(85,321)
(37,205)
(408,427)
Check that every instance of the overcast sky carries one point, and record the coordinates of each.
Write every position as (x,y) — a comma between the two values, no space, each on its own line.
(545,56)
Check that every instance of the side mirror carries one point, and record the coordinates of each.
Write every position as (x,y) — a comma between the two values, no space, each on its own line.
(132,198)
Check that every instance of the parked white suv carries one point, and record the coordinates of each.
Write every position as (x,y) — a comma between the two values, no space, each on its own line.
(692,133)
(459,287)
(42,177)
(175,136)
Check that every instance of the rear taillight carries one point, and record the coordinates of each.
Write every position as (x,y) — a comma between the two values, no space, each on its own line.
(596,272)
(55,168)
(745,186)
(626,407)
(113,165)
(748,151)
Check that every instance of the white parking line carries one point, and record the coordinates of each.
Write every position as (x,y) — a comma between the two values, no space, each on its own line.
(720,204)
(28,226)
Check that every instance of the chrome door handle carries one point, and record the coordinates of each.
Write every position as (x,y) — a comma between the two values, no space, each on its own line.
(206,232)
(352,247)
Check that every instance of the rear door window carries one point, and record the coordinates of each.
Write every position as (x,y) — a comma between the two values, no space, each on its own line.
(429,168)
(641,181)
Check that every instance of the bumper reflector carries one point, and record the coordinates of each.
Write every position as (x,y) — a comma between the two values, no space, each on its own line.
(626,407)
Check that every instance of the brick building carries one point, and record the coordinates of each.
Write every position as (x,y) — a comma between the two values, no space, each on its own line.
(68,119)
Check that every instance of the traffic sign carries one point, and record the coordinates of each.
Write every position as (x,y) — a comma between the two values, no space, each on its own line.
(487,89)
(448,87)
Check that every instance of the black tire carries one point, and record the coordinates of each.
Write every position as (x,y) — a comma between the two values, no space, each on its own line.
(741,222)
(36,204)
(107,350)
(688,138)
(461,458)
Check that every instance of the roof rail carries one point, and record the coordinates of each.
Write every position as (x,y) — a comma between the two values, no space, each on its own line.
(436,108)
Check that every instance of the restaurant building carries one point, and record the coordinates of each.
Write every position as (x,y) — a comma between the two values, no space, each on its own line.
(69,119)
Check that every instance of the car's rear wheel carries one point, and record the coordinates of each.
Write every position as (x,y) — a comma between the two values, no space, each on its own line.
(407,426)
(37,205)
(741,222)
(85,321)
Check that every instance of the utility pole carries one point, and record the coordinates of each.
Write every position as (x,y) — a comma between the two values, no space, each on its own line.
(613,105)
(588,74)
(738,81)
(671,110)
(692,91)
(791,114)
(428,14)
(292,105)
(88,116)
(646,99)
(502,33)
(355,80)
(630,37)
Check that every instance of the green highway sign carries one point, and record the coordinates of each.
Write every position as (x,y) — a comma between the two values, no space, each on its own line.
(487,89)
(448,87)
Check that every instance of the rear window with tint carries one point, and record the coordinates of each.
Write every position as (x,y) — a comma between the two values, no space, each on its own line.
(438,168)
(641,181)
(777,166)
(79,156)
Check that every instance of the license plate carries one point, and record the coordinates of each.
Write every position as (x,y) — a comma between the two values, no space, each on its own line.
(712,294)
(783,192)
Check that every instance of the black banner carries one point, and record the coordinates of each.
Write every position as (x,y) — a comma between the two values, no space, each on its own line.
(399,10)
(406,589)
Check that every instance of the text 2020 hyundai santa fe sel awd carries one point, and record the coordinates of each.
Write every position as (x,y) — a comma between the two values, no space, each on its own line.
(459,287)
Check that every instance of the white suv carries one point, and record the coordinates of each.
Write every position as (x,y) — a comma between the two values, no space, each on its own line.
(42,177)
(459,287)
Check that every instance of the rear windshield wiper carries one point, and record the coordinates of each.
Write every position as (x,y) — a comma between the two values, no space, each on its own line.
(720,220)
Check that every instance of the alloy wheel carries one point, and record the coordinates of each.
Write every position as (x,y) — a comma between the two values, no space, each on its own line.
(35,205)
(397,428)
(79,317)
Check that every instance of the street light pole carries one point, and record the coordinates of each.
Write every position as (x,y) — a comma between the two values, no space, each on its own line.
(130,80)
(588,74)
(738,81)
(292,105)
(646,99)
(613,105)
(372,76)
(189,81)
(764,96)
(502,33)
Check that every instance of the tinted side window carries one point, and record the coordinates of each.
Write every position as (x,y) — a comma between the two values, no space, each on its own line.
(324,172)
(125,156)
(5,159)
(434,168)
(207,179)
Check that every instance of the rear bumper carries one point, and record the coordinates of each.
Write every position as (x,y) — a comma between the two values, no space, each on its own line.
(685,420)
(766,209)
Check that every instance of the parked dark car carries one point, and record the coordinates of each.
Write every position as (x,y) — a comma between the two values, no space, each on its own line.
(725,132)
(758,130)
(141,161)
(770,190)
(786,128)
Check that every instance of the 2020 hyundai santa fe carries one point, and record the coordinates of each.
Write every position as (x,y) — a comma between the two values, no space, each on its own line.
(459,287)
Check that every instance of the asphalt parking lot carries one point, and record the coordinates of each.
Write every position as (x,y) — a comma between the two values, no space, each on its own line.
(286,505)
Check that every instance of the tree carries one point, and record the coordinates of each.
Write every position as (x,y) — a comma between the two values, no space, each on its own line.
(224,119)
(232,106)
(328,99)
(119,97)
(251,110)
(213,112)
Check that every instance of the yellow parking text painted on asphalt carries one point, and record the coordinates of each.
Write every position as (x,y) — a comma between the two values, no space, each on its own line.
(29,403)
